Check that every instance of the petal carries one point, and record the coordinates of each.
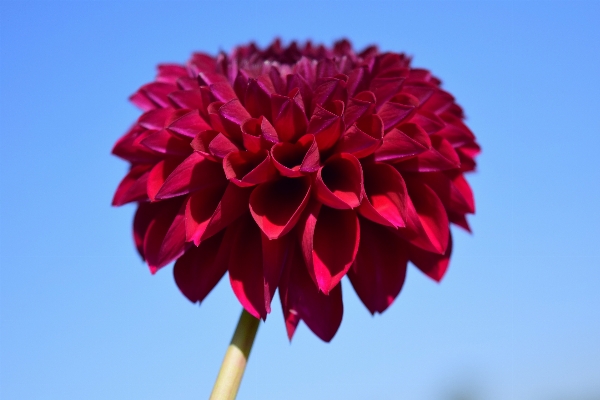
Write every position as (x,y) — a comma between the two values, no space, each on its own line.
(402,143)
(133,186)
(165,143)
(220,146)
(189,125)
(168,220)
(258,96)
(339,183)
(330,241)
(455,193)
(201,143)
(431,264)
(327,125)
(363,103)
(379,271)
(301,299)
(276,206)
(426,221)
(253,279)
(232,115)
(199,270)
(392,113)
(248,169)
(385,88)
(296,159)
(386,196)
(289,117)
(210,210)
(195,172)
(158,175)
(440,157)
(363,138)
(257,134)
(144,214)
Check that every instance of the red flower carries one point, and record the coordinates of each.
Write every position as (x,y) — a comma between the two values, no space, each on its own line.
(290,167)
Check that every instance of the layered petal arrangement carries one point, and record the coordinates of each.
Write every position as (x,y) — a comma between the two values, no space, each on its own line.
(291,167)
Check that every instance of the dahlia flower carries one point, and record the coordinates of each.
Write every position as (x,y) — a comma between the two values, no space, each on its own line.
(292,167)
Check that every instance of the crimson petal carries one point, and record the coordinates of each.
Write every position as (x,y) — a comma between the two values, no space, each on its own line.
(296,159)
(330,241)
(248,169)
(363,138)
(210,210)
(402,143)
(133,186)
(289,117)
(327,125)
(158,249)
(165,143)
(386,195)
(339,183)
(440,157)
(276,206)
(195,172)
(379,271)
(431,264)
(189,125)
(254,279)
(199,270)
(302,300)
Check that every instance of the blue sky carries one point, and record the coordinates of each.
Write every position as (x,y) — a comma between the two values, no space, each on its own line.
(517,316)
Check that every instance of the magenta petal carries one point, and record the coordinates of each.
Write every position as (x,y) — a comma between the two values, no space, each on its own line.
(379,270)
(248,169)
(201,143)
(209,212)
(339,183)
(257,98)
(251,282)
(165,143)
(220,146)
(276,206)
(386,195)
(158,92)
(195,172)
(144,214)
(276,254)
(158,119)
(233,114)
(327,125)
(294,160)
(289,117)
(385,88)
(168,217)
(301,299)
(430,122)
(440,157)
(392,113)
(363,138)
(330,241)
(199,270)
(363,103)
(158,175)
(427,224)
(133,186)
(223,91)
(189,125)
(402,143)
(431,264)
(455,193)
(257,134)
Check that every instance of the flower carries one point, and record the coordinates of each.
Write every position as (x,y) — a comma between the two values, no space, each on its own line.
(291,167)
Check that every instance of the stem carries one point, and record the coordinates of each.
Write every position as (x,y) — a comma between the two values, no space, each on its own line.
(236,357)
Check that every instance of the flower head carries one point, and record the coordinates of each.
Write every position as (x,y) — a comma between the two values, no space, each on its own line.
(291,167)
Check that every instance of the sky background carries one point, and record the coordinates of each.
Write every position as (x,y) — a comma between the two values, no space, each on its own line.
(516,317)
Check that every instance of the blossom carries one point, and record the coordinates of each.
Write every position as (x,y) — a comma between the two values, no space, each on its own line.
(292,167)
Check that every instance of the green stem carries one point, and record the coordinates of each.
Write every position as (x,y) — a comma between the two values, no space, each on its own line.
(236,357)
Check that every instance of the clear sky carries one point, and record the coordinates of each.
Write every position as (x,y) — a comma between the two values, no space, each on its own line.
(517,316)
